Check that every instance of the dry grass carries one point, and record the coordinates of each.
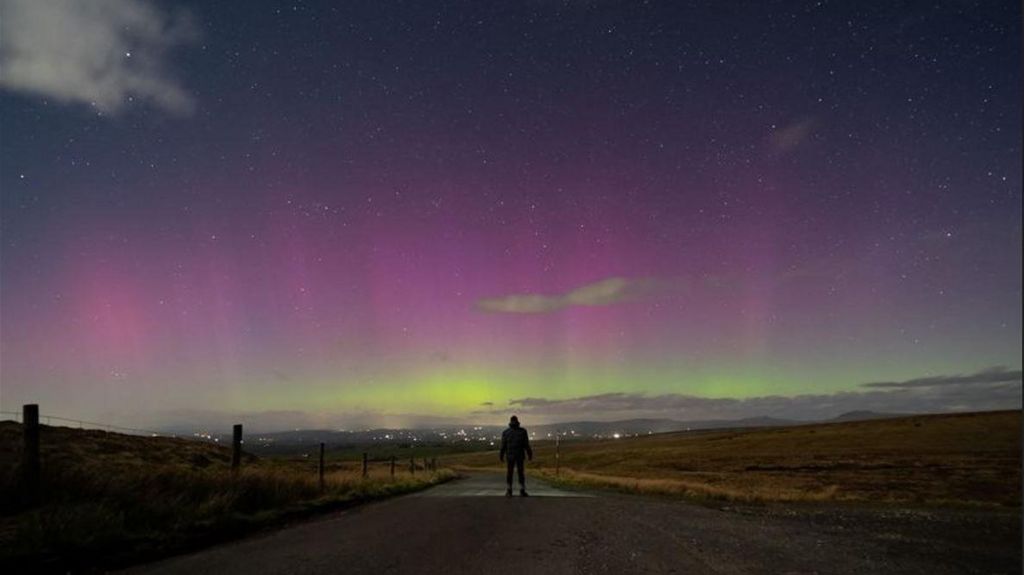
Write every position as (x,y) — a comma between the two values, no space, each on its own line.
(691,488)
(104,493)
(962,459)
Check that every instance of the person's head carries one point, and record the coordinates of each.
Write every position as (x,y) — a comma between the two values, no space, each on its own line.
(514,422)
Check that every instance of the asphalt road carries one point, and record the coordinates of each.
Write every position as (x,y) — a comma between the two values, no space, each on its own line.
(468,526)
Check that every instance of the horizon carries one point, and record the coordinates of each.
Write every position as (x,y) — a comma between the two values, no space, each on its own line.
(450,213)
(748,423)
(219,424)
(454,424)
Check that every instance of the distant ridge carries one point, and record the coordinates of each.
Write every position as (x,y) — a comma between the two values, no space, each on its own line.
(579,429)
(864,415)
(647,426)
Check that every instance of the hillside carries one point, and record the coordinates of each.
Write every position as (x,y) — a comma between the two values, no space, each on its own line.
(65,446)
(972,459)
(109,498)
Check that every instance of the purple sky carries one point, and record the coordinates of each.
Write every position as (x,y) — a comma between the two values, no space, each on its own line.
(398,213)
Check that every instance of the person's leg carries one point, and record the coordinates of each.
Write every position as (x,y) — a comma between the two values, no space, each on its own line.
(508,475)
(521,468)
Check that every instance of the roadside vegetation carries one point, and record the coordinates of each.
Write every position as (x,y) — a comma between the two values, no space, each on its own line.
(969,459)
(108,499)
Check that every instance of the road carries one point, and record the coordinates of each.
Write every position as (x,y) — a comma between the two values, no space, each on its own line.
(468,526)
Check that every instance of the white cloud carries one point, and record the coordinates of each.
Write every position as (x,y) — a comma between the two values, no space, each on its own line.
(605,292)
(94,52)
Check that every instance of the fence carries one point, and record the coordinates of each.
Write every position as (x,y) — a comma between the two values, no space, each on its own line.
(412,465)
(81,424)
(31,461)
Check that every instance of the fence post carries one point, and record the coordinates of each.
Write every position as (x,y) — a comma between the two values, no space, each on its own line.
(365,470)
(412,465)
(558,459)
(433,464)
(30,455)
(321,469)
(392,467)
(236,448)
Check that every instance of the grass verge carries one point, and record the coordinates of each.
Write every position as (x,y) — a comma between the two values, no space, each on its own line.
(971,459)
(109,500)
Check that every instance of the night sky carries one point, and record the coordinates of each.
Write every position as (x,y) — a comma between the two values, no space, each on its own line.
(327,213)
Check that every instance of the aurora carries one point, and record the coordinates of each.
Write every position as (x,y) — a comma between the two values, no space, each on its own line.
(439,212)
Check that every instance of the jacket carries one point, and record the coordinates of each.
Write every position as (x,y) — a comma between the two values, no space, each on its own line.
(515,441)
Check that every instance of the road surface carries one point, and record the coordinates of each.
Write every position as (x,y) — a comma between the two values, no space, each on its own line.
(468,526)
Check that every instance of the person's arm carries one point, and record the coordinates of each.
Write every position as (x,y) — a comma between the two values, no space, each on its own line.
(504,447)
(526,438)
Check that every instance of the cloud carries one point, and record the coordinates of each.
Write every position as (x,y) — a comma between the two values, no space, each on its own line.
(990,389)
(997,374)
(94,52)
(605,292)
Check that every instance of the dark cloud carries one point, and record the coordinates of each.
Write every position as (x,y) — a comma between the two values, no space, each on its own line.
(997,374)
(994,388)
(622,402)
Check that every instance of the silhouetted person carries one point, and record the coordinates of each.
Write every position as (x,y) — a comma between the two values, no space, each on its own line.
(515,447)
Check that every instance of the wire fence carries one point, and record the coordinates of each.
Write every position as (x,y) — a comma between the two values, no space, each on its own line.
(81,424)
(390,462)
(32,463)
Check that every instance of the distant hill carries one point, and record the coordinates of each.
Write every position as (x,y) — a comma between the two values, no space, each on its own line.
(455,438)
(864,415)
(602,428)
(468,436)
(483,437)
(629,427)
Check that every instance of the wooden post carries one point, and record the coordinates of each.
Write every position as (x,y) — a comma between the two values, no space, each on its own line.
(392,467)
(30,455)
(433,464)
(236,448)
(557,455)
(365,470)
(321,470)
(412,465)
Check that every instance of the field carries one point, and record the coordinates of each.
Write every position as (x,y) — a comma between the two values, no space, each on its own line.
(969,459)
(110,498)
